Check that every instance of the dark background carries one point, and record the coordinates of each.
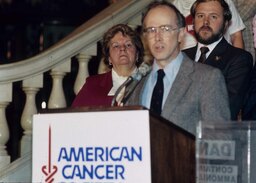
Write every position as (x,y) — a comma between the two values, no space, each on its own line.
(27,27)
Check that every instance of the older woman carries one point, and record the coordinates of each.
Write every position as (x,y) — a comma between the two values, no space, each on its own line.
(123,52)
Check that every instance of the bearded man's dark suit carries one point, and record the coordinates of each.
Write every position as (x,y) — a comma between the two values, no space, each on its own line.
(249,109)
(236,66)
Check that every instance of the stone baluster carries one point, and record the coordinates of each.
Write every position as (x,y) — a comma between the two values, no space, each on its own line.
(30,86)
(5,99)
(83,59)
(57,97)
(83,72)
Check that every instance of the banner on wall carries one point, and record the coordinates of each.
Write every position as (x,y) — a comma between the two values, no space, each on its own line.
(92,147)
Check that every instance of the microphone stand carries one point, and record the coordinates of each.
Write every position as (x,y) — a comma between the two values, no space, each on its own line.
(133,81)
(128,91)
(126,83)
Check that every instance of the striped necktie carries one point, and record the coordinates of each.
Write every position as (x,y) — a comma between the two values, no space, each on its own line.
(203,50)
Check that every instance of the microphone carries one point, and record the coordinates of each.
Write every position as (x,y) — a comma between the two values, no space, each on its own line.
(142,71)
(134,79)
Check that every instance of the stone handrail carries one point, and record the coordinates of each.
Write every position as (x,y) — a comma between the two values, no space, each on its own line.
(80,40)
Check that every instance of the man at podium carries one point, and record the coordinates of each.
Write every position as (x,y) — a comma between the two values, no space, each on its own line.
(178,89)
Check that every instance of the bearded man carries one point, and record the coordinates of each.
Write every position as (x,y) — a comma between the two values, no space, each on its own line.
(211,19)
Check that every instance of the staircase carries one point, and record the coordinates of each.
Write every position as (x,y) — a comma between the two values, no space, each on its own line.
(80,44)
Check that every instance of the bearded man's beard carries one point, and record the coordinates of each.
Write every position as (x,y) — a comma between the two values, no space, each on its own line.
(214,37)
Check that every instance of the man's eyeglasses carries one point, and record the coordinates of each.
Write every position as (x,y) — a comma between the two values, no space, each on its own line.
(163,29)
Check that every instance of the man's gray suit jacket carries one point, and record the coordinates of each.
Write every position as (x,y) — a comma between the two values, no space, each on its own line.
(198,94)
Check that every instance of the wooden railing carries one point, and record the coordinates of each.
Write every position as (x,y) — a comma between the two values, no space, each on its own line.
(82,44)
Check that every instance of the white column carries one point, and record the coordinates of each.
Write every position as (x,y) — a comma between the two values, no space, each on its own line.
(4,136)
(83,72)
(5,99)
(27,118)
(30,86)
(83,59)
(57,97)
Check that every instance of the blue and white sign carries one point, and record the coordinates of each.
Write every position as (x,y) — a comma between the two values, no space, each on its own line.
(92,147)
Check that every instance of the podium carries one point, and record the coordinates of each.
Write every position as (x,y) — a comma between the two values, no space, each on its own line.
(171,149)
(172,152)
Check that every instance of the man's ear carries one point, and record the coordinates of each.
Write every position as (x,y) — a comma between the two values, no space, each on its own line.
(226,25)
(181,34)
